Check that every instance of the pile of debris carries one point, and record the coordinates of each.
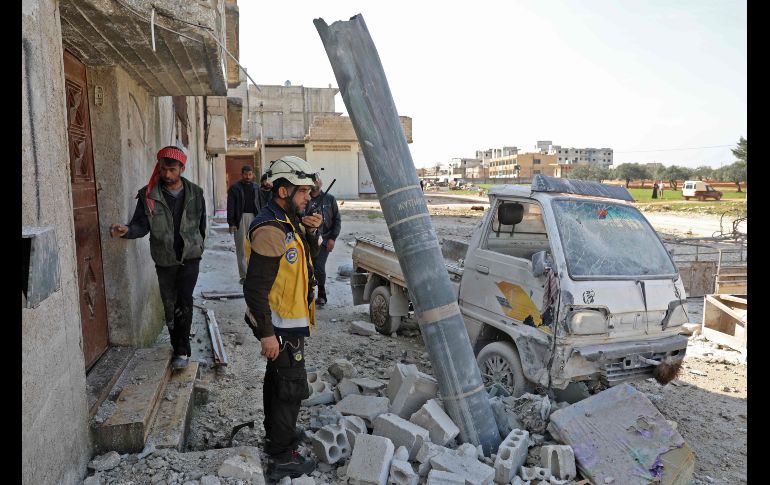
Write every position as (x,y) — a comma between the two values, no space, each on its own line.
(397,432)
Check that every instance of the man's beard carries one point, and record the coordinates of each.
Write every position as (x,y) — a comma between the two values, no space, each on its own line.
(167,181)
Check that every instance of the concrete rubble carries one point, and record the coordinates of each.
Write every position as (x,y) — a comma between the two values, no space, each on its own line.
(366,407)
(370,461)
(360,327)
(401,432)
(409,389)
(432,417)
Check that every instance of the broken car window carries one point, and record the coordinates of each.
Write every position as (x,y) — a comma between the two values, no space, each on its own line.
(605,239)
(522,240)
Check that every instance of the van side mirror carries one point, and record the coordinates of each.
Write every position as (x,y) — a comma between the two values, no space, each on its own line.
(510,213)
(541,261)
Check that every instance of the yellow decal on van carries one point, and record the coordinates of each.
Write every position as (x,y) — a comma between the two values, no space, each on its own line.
(517,304)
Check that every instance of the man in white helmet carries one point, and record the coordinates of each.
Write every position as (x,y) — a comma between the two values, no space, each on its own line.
(281,306)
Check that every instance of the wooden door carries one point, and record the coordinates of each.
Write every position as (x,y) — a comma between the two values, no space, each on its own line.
(233,166)
(88,249)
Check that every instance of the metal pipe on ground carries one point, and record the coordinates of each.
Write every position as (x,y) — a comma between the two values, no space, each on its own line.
(369,102)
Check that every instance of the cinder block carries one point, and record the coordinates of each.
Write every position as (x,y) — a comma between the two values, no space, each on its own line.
(353,425)
(401,453)
(346,387)
(401,473)
(511,455)
(440,426)
(367,386)
(370,462)
(535,473)
(438,477)
(427,451)
(469,467)
(401,432)
(321,416)
(321,392)
(409,389)
(518,481)
(330,444)
(559,460)
(341,368)
(366,407)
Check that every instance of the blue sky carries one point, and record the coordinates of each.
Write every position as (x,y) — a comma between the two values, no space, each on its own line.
(636,76)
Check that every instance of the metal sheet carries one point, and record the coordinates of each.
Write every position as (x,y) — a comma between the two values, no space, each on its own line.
(544,183)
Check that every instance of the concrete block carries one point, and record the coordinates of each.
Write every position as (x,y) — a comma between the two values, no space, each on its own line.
(401,453)
(401,473)
(362,328)
(210,480)
(245,466)
(401,432)
(470,468)
(370,462)
(342,368)
(440,426)
(352,428)
(367,386)
(303,480)
(105,462)
(438,477)
(346,387)
(535,473)
(511,455)
(330,444)
(321,416)
(518,481)
(559,460)
(467,449)
(321,392)
(409,389)
(366,407)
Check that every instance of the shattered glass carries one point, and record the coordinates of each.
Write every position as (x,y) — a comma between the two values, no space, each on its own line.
(606,239)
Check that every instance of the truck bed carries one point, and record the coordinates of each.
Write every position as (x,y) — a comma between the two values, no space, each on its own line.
(373,256)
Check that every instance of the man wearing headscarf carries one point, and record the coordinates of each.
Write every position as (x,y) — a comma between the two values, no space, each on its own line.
(173,211)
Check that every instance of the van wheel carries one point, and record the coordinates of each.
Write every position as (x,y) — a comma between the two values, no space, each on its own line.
(379,311)
(701,198)
(499,362)
(686,198)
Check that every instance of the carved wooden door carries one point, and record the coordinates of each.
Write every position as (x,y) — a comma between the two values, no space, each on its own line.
(88,249)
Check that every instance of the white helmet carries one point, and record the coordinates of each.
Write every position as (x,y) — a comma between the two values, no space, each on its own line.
(294,169)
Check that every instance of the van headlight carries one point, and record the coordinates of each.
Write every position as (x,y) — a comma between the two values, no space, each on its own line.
(675,315)
(586,322)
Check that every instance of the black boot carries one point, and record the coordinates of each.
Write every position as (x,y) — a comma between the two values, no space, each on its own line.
(290,465)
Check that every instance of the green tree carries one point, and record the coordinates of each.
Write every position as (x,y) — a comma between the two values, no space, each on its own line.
(740,150)
(674,173)
(735,173)
(585,171)
(631,171)
(703,172)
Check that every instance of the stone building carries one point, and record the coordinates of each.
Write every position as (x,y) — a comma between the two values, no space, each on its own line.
(103,88)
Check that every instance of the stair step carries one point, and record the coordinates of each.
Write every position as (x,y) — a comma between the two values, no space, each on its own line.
(104,374)
(173,416)
(141,384)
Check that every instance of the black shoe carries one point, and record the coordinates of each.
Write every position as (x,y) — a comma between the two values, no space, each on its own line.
(290,465)
(321,300)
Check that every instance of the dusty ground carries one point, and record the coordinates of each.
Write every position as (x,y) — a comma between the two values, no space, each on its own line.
(708,402)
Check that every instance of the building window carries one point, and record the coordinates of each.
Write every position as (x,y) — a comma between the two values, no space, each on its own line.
(535,171)
(536,161)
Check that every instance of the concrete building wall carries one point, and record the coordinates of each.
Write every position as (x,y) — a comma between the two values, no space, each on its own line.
(54,419)
(286,112)
(336,160)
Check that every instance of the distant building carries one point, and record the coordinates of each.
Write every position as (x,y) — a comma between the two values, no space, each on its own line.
(460,166)
(522,165)
(591,156)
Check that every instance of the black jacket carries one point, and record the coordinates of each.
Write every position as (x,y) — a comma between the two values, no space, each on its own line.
(332,224)
(235,202)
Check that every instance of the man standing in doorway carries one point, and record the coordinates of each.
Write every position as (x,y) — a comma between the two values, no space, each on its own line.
(281,307)
(243,204)
(330,229)
(174,213)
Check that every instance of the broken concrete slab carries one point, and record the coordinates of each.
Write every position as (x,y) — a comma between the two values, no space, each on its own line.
(440,426)
(321,392)
(620,433)
(104,462)
(469,467)
(321,416)
(360,327)
(342,368)
(366,407)
(244,465)
(401,432)
(303,480)
(439,477)
(559,460)
(368,386)
(370,462)
(330,444)
(409,389)
(173,416)
(401,473)
(532,411)
(511,455)
(535,473)
(347,387)
(353,425)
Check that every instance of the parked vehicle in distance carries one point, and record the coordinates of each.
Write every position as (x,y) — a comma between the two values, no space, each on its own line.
(615,301)
(700,190)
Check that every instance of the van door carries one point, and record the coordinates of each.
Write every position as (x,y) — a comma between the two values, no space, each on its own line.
(498,284)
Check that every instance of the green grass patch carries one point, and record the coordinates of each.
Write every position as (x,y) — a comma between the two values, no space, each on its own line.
(375,215)
(717,208)
(645,195)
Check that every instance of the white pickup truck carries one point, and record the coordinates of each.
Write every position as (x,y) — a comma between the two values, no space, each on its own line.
(562,281)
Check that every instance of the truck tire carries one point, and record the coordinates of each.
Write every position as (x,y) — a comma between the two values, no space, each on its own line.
(379,311)
(499,362)
(686,198)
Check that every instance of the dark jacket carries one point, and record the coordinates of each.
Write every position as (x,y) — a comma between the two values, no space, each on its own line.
(235,202)
(332,224)
(165,246)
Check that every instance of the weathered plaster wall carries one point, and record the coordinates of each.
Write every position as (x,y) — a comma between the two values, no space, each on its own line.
(55,441)
(340,163)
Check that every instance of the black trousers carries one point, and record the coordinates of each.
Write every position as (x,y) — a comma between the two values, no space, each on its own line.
(319,268)
(282,393)
(176,289)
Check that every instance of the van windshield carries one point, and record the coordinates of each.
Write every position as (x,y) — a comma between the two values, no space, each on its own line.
(606,239)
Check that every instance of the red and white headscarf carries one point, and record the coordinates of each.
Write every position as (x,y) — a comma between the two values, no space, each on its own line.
(172,152)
